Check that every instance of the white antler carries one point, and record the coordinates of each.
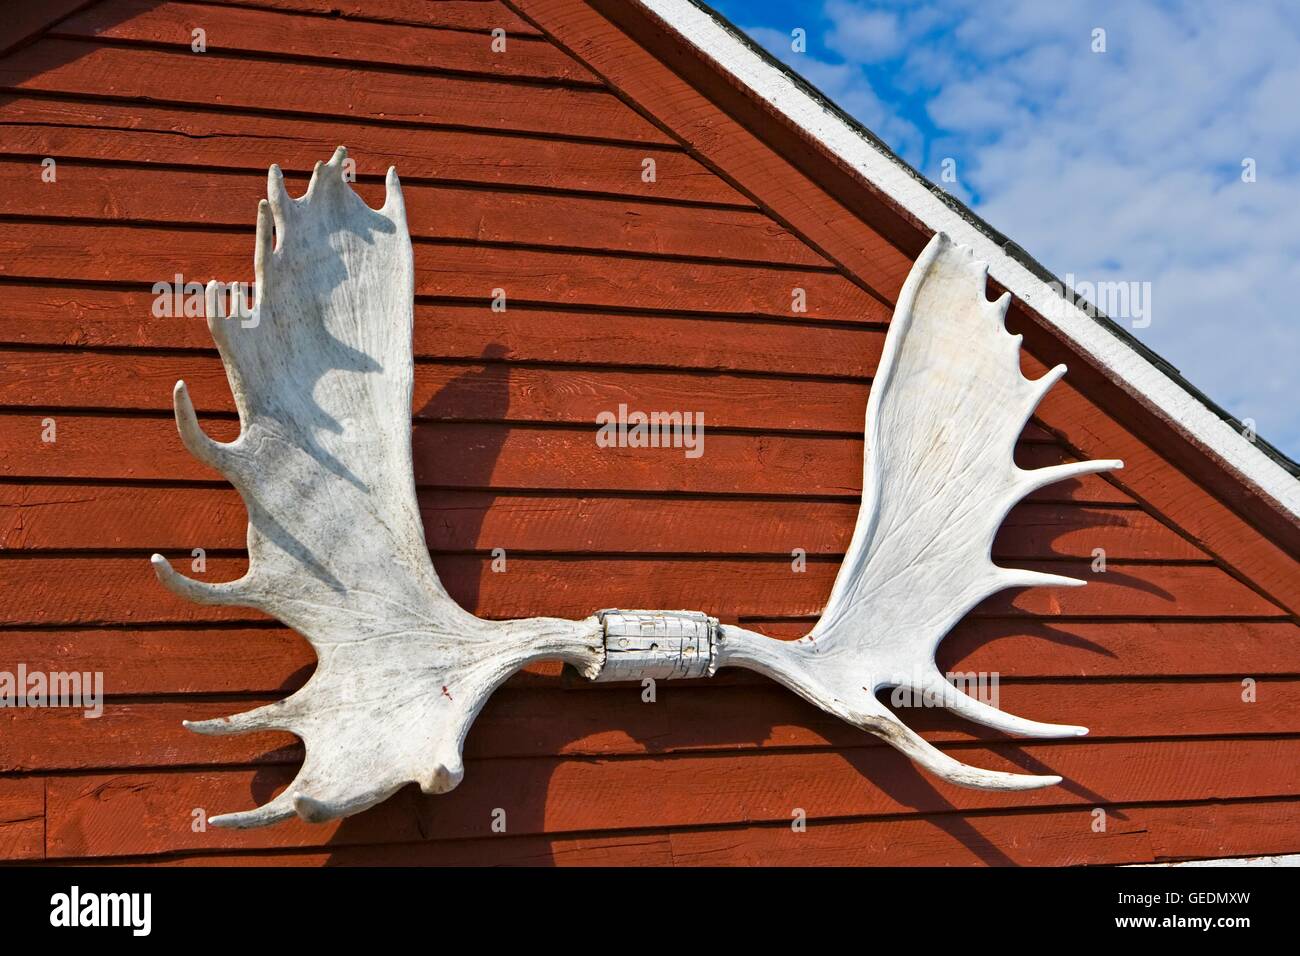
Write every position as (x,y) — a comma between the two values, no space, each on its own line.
(322,377)
(947,405)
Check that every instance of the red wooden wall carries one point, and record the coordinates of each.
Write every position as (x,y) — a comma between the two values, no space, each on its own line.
(523,171)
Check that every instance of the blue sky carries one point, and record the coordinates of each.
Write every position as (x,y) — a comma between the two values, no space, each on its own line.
(1117,166)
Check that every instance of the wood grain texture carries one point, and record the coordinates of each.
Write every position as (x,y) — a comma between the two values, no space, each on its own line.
(520,457)
(138,813)
(190,197)
(623,849)
(285,34)
(22,818)
(70,517)
(147,255)
(615,721)
(1140,833)
(49,591)
(203,137)
(456,14)
(453,391)
(1049,838)
(97,317)
(78,67)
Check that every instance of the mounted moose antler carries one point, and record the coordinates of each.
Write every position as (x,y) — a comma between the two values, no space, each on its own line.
(322,377)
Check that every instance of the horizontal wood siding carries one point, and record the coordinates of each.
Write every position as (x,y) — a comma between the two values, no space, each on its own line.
(523,172)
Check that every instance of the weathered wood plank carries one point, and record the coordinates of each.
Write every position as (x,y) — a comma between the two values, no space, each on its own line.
(319,38)
(119,814)
(77,67)
(1134,834)
(94,317)
(455,14)
(1138,833)
(625,849)
(1061,644)
(141,194)
(137,254)
(613,721)
(22,818)
(1222,829)
(464,392)
(103,517)
(121,590)
(460,391)
(502,457)
(36,126)
(1043,838)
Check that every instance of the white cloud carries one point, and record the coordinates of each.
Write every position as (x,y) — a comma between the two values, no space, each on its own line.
(861,34)
(845,85)
(1117,165)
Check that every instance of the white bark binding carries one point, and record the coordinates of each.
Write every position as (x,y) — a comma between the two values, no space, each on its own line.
(322,378)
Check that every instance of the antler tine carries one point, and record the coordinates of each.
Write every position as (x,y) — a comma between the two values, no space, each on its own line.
(276,810)
(947,405)
(935,685)
(1043,385)
(216,455)
(1030,480)
(798,666)
(281,715)
(394,202)
(892,730)
(200,592)
(278,198)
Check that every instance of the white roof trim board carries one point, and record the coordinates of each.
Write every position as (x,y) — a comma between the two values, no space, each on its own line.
(1289,859)
(1125,363)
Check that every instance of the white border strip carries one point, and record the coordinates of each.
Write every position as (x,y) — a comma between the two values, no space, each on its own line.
(1124,364)
(1291,859)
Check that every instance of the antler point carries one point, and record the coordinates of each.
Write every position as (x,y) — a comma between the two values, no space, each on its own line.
(309,809)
